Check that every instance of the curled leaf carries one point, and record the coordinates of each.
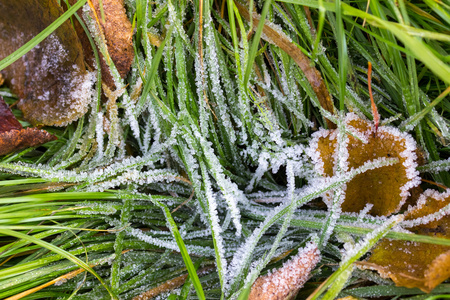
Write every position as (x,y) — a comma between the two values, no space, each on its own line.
(14,137)
(118,33)
(416,264)
(285,282)
(424,212)
(50,80)
(386,188)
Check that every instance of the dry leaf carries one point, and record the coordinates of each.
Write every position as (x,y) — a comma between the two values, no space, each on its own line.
(50,80)
(278,38)
(413,264)
(387,188)
(8,121)
(14,137)
(285,282)
(118,33)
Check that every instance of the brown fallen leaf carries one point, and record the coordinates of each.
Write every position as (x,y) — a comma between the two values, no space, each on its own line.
(415,264)
(51,79)
(166,286)
(14,137)
(285,282)
(118,33)
(169,285)
(386,188)
(277,38)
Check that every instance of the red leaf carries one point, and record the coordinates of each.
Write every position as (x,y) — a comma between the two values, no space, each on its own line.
(14,137)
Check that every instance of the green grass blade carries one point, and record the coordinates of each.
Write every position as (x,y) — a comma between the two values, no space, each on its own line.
(59,251)
(359,251)
(255,42)
(152,72)
(179,240)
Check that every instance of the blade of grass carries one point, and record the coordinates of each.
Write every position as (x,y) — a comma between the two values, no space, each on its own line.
(255,41)
(59,251)
(415,45)
(179,240)
(64,277)
(152,72)
(354,255)
(342,54)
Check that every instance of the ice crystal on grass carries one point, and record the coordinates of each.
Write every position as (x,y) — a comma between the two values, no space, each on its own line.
(362,214)
(93,175)
(99,136)
(200,78)
(215,226)
(98,208)
(279,157)
(215,77)
(168,243)
(244,253)
(130,116)
(230,190)
(258,265)
(263,166)
(437,166)
(161,176)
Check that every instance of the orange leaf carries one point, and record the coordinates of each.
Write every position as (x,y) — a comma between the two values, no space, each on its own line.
(118,33)
(14,137)
(50,80)
(430,202)
(413,264)
(387,188)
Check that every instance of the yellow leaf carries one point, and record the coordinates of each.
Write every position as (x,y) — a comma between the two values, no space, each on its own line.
(386,188)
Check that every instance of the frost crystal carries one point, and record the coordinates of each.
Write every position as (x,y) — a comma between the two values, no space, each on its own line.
(288,279)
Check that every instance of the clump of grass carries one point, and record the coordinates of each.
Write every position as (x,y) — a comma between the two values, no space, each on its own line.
(204,172)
